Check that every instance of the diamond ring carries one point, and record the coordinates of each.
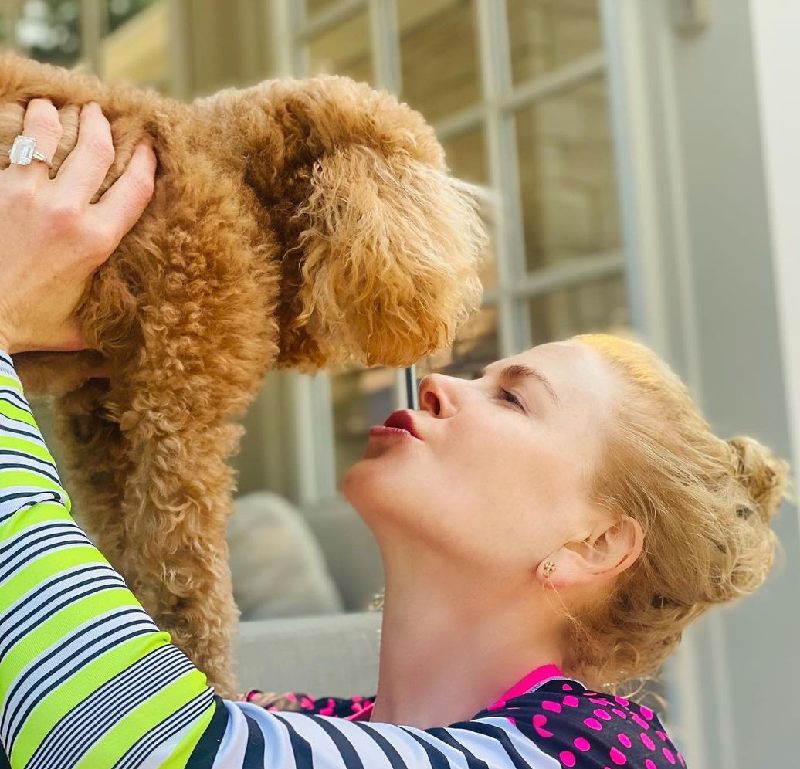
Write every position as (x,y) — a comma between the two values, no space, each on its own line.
(24,151)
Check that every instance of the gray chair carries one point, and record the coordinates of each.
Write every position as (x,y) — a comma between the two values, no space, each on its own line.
(330,654)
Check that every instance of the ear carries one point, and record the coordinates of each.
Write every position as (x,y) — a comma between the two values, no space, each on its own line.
(612,546)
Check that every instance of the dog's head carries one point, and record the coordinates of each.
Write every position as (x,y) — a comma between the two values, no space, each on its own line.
(379,244)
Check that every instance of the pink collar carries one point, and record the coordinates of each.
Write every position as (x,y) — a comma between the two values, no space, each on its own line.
(525,684)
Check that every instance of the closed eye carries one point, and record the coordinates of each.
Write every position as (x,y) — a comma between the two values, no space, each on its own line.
(509,397)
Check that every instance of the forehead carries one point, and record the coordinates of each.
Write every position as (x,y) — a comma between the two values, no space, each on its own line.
(579,374)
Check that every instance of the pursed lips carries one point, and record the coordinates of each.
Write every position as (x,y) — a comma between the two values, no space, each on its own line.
(399,421)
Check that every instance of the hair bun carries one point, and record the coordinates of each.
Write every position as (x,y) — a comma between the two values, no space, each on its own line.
(761,472)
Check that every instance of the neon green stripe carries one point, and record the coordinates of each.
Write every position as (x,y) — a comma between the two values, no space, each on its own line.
(15,412)
(118,740)
(44,567)
(52,708)
(186,746)
(9,478)
(57,627)
(43,512)
(12,383)
(27,445)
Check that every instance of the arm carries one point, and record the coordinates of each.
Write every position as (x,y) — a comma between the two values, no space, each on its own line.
(88,681)
(75,642)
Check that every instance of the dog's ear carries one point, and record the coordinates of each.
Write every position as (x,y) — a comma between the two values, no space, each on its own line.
(379,244)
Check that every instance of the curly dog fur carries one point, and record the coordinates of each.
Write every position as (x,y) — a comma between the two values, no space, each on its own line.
(296,223)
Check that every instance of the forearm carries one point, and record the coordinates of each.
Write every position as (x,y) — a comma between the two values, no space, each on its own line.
(78,655)
(87,681)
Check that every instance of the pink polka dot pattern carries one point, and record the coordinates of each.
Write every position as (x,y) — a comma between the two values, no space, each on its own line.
(538,723)
(353,708)
(567,758)
(578,728)
(617,756)
(591,730)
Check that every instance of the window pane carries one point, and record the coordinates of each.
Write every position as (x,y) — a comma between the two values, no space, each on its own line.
(343,50)
(439,55)
(361,398)
(466,159)
(314,7)
(547,34)
(476,345)
(568,188)
(599,305)
(120,11)
(49,30)
(139,52)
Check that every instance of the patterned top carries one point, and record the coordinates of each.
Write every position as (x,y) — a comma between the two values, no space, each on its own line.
(87,681)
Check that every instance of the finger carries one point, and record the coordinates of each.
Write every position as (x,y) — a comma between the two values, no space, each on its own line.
(41,122)
(123,202)
(85,168)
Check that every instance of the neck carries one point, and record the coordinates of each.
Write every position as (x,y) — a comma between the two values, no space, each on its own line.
(450,646)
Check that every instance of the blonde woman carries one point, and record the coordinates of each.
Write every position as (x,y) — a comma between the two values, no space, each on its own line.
(547,532)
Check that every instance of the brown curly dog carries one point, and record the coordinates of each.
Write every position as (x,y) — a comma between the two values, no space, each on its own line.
(297,223)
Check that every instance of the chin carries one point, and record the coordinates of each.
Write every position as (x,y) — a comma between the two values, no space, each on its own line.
(372,485)
(358,485)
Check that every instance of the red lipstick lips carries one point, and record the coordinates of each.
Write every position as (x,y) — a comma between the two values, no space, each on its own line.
(399,421)
(403,420)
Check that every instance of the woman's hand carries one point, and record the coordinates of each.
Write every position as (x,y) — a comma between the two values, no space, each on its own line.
(52,237)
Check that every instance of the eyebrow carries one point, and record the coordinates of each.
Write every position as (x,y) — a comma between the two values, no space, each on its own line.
(517,371)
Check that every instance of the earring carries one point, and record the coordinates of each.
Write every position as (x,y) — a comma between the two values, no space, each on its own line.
(548,568)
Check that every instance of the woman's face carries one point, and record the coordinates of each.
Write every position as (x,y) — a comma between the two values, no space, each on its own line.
(494,471)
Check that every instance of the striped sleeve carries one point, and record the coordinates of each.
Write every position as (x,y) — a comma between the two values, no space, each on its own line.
(78,655)
(87,681)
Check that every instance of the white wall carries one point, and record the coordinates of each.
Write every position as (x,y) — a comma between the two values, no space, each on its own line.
(709,247)
(776,32)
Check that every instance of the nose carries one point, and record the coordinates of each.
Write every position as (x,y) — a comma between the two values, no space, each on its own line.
(437,396)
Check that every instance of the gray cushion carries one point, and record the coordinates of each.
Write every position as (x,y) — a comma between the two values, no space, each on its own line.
(277,566)
(351,552)
(334,655)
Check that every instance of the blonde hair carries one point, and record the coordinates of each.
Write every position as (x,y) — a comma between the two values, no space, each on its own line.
(704,504)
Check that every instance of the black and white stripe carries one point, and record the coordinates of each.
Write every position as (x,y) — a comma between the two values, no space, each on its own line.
(41,545)
(14,500)
(106,705)
(65,659)
(159,742)
(92,582)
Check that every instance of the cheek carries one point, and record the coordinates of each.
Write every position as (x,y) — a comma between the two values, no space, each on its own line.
(529,490)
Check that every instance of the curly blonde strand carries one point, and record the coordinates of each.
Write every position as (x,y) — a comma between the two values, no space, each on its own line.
(705,505)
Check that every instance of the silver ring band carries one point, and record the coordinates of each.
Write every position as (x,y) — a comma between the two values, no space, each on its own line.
(23,152)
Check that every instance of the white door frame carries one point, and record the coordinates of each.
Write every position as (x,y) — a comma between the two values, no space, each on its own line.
(698,237)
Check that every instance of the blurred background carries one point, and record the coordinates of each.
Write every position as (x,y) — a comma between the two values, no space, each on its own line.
(643,151)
